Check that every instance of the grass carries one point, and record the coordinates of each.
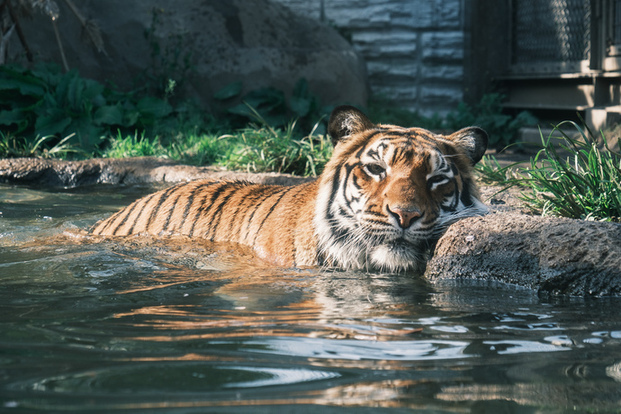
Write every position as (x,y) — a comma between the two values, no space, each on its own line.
(12,146)
(576,177)
(253,149)
(491,172)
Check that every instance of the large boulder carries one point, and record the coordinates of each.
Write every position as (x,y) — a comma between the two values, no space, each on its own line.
(546,254)
(203,45)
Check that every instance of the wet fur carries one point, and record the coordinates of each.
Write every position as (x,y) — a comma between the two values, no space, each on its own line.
(385,197)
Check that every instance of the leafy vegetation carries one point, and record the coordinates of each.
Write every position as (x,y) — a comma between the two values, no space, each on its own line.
(585,184)
(44,102)
(253,149)
(272,105)
(488,114)
(569,177)
(491,172)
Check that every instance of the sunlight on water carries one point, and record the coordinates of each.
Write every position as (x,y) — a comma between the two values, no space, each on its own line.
(140,325)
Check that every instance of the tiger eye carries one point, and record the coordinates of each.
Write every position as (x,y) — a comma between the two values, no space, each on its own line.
(375,169)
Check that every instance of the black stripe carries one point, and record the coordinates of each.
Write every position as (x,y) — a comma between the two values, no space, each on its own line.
(170,213)
(455,169)
(128,212)
(107,222)
(163,197)
(357,186)
(234,218)
(393,159)
(373,213)
(258,203)
(270,211)
(190,201)
(373,221)
(368,138)
(333,191)
(146,201)
(466,196)
(215,222)
(344,213)
(206,205)
(339,235)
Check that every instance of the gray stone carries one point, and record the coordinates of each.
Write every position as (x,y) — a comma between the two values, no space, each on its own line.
(549,255)
(143,170)
(256,41)
(447,47)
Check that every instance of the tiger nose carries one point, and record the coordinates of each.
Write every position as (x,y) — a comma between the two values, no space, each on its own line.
(405,216)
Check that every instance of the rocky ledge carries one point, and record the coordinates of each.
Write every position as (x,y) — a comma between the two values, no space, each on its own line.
(141,170)
(546,255)
(550,255)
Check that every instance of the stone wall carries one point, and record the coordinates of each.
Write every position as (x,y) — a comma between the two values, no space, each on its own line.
(414,49)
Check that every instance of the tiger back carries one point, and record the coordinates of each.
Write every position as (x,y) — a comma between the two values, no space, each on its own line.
(385,197)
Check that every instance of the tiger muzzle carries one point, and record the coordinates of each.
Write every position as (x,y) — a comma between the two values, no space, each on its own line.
(405,216)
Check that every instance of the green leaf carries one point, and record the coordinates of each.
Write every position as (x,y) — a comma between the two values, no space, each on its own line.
(300,106)
(241,109)
(154,107)
(229,91)
(88,134)
(14,116)
(26,84)
(54,121)
(266,99)
(93,91)
(300,90)
(108,115)
(74,91)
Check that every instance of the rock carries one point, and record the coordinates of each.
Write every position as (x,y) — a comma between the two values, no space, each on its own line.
(144,170)
(549,255)
(203,45)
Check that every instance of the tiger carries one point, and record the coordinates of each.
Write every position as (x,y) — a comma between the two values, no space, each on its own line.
(385,197)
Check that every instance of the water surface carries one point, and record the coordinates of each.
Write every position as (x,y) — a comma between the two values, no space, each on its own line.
(178,326)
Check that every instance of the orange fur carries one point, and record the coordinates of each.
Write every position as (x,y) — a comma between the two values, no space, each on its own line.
(385,197)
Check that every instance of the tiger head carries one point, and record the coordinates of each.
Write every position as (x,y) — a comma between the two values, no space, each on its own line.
(389,193)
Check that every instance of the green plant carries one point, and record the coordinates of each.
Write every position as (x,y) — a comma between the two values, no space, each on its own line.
(491,172)
(272,105)
(11,146)
(575,178)
(254,148)
(134,145)
(261,149)
(488,114)
(44,102)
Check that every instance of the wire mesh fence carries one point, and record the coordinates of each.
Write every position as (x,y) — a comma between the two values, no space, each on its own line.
(551,31)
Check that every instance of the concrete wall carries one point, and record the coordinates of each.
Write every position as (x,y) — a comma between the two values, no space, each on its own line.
(414,49)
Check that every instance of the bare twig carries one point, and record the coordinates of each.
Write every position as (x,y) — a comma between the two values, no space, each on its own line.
(18,29)
(60,46)
(4,42)
(89,27)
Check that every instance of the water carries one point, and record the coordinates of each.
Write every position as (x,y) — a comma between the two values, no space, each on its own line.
(146,326)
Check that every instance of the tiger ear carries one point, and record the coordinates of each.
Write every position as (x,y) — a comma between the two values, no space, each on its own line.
(345,121)
(473,140)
